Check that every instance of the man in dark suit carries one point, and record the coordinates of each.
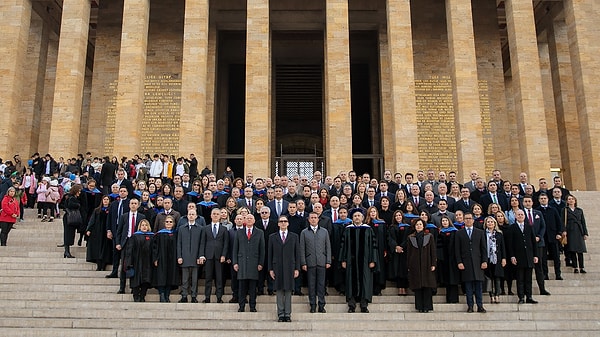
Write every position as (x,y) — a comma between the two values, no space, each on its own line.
(465,203)
(284,266)
(248,257)
(278,206)
(492,196)
(269,226)
(315,257)
(521,248)
(248,200)
(471,256)
(117,208)
(238,226)
(107,174)
(214,243)
(128,224)
(123,181)
(415,196)
(535,219)
(554,231)
(324,221)
(429,205)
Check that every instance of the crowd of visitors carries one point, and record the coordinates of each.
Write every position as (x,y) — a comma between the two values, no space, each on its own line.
(163,224)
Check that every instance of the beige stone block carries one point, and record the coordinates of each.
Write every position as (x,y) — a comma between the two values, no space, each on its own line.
(15,16)
(257,147)
(582,24)
(527,88)
(48,100)
(465,93)
(337,87)
(132,71)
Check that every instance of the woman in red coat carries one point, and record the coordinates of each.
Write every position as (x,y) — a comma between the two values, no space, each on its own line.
(9,214)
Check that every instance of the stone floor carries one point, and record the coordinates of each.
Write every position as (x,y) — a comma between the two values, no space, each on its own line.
(43,294)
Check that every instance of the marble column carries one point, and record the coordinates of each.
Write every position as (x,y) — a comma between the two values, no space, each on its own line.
(402,80)
(132,74)
(211,82)
(566,106)
(527,88)
(194,79)
(338,108)
(257,147)
(581,18)
(70,76)
(14,24)
(465,87)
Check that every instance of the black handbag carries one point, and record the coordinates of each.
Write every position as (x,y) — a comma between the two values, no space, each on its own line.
(73,218)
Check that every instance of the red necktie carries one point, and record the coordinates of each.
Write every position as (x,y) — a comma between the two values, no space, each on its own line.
(283,237)
(249,233)
(334,215)
(132,223)
(530,217)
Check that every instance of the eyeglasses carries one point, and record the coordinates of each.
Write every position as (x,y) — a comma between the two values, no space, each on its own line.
(196,185)
(282,221)
(264,212)
(167,221)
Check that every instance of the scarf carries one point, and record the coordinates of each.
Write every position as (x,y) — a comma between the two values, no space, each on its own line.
(492,247)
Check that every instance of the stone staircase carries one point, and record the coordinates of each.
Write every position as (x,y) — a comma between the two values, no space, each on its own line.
(42,294)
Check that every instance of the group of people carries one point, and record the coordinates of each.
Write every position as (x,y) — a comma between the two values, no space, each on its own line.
(166,228)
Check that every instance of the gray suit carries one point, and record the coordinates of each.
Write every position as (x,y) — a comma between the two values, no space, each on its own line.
(315,253)
(436,218)
(188,249)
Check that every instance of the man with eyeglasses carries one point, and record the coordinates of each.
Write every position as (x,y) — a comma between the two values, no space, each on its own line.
(471,256)
(248,257)
(188,256)
(269,226)
(284,266)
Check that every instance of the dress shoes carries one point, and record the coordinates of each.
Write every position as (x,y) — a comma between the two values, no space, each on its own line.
(270,292)
(576,271)
(112,275)
(545,292)
(288,319)
(233,300)
(121,291)
(511,293)
(183,300)
(281,319)
(194,300)
(299,293)
(582,271)
(219,300)
(351,310)
(364,310)
(260,293)
(559,278)
(206,300)
(531,301)
(470,309)
(322,310)
(521,301)
(241,310)
(313,309)
(252,309)
(481,310)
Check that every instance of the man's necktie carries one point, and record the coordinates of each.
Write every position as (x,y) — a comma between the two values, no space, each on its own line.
(469,232)
(278,208)
(334,215)
(495,199)
(283,237)
(522,227)
(215,230)
(132,223)
(249,233)
(530,217)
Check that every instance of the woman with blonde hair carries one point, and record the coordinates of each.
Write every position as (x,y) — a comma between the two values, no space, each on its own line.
(496,257)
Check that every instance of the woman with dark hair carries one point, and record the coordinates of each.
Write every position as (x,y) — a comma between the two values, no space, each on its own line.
(385,211)
(576,233)
(399,231)
(9,214)
(514,205)
(410,212)
(73,218)
(138,257)
(164,258)
(324,198)
(422,260)
(448,273)
(380,229)
(478,217)
(99,247)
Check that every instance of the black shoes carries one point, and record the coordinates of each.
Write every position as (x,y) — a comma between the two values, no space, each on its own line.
(559,278)
(470,309)
(183,300)
(241,310)
(112,275)
(313,309)
(531,301)
(364,310)
(322,310)
(582,271)
(233,300)
(351,310)
(194,300)
(219,300)
(270,292)
(281,319)
(121,291)
(68,255)
(521,301)
(252,309)
(545,292)
(481,310)
(206,300)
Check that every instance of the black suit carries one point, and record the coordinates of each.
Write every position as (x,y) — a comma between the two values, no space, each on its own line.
(263,274)
(107,174)
(125,183)
(472,252)
(539,230)
(212,248)
(554,227)
(428,208)
(522,247)
(463,206)
(114,215)
(486,200)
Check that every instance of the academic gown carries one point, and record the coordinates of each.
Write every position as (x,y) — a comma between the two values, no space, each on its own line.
(138,255)
(99,247)
(337,230)
(448,272)
(398,235)
(164,250)
(358,249)
(381,234)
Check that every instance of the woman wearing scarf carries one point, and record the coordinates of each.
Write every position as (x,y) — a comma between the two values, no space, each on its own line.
(496,257)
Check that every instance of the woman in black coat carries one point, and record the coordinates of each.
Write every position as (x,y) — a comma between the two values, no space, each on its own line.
(421,257)
(138,258)
(164,256)
(576,232)
(73,218)
(496,257)
(448,273)
(99,247)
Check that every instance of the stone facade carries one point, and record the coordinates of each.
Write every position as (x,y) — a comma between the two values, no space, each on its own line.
(454,85)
